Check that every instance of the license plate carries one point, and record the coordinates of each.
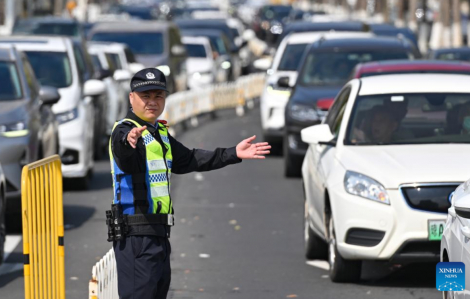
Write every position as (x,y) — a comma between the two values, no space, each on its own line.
(436,229)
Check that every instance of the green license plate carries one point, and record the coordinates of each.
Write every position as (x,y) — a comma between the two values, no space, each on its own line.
(436,229)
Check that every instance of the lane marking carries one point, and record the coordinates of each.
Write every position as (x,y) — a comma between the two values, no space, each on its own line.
(319,264)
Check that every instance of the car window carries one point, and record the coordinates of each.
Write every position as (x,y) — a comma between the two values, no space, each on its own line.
(10,89)
(336,113)
(51,68)
(112,67)
(80,63)
(141,43)
(129,55)
(459,56)
(30,78)
(196,50)
(116,61)
(333,68)
(47,29)
(290,59)
(418,118)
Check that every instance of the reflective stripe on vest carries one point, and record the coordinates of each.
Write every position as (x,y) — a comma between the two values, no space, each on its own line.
(157,176)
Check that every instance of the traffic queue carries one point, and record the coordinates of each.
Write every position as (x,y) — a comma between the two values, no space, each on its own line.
(377,133)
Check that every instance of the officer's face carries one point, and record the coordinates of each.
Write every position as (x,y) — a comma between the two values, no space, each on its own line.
(148,105)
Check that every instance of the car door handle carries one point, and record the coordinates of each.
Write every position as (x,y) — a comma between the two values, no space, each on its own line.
(465,231)
(451,211)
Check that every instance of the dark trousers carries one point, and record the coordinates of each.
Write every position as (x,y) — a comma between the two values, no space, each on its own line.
(143,266)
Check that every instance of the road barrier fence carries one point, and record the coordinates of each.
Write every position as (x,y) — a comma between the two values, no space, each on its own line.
(43,229)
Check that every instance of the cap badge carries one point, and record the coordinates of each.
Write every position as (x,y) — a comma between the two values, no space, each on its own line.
(150,76)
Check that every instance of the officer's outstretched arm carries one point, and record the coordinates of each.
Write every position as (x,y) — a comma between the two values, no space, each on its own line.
(248,150)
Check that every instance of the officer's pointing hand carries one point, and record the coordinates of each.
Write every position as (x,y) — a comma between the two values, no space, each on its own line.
(248,150)
(134,135)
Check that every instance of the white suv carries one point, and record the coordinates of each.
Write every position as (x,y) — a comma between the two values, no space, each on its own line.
(54,64)
(285,63)
(379,170)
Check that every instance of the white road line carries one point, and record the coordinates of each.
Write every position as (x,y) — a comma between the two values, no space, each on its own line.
(10,244)
(319,264)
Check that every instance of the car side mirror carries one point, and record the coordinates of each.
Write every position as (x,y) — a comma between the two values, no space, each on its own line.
(122,75)
(94,88)
(318,134)
(103,73)
(462,206)
(49,95)
(284,82)
(178,50)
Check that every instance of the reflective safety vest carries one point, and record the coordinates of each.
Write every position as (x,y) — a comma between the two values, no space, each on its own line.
(150,189)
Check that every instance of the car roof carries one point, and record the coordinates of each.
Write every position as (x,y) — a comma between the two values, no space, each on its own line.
(215,22)
(376,42)
(195,40)
(48,20)
(132,26)
(107,45)
(325,26)
(197,32)
(425,64)
(7,52)
(452,50)
(308,37)
(414,83)
(37,43)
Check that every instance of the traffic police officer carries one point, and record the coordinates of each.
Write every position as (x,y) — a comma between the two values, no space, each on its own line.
(143,157)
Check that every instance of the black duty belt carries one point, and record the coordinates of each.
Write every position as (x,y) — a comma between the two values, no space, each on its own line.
(142,219)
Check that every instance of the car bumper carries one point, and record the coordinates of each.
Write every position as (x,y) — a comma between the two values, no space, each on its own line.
(405,230)
(273,104)
(76,138)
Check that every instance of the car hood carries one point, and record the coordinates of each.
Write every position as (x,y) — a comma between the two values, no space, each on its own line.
(69,99)
(152,60)
(199,65)
(393,165)
(13,111)
(309,95)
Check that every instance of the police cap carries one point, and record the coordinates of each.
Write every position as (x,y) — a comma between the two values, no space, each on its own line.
(148,79)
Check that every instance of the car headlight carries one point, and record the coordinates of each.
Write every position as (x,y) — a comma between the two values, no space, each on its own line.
(14,130)
(198,75)
(67,116)
(276,29)
(226,65)
(165,69)
(363,186)
(303,113)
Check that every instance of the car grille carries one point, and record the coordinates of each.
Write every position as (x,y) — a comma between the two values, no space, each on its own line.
(431,198)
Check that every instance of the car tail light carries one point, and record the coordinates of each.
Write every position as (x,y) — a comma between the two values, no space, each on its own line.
(325,104)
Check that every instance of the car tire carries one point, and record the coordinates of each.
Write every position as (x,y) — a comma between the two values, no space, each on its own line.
(447,295)
(341,270)
(2,225)
(315,247)
(291,167)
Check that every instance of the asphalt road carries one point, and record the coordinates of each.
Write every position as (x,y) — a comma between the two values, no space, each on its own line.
(238,234)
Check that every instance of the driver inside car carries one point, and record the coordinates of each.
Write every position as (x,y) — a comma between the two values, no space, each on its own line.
(378,126)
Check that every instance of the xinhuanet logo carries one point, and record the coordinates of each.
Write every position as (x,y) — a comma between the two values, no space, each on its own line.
(450,276)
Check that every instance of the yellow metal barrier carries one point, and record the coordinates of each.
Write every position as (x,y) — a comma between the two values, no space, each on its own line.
(43,229)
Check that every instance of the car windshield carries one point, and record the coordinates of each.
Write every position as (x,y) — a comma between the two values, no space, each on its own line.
(275,13)
(418,118)
(115,59)
(10,89)
(334,68)
(291,57)
(196,50)
(218,45)
(461,56)
(141,43)
(49,29)
(51,68)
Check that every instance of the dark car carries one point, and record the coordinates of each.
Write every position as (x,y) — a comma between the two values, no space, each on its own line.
(219,25)
(392,31)
(269,21)
(409,67)
(154,44)
(142,12)
(49,26)
(28,127)
(220,46)
(304,26)
(303,15)
(325,68)
(459,54)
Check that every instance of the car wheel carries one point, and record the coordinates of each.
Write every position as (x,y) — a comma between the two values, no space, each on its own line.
(315,247)
(2,226)
(291,167)
(447,295)
(341,270)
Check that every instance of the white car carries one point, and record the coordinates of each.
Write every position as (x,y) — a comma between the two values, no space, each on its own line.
(454,244)
(201,66)
(55,63)
(285,64)
(117,94)
(379,170)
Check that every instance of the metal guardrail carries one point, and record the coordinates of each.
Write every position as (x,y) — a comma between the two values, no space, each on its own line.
(43,229)
(181,106)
